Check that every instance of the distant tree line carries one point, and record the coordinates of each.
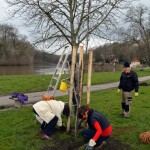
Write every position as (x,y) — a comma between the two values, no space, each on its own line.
(16,50)
(133,39)
(42,57)
(119,52)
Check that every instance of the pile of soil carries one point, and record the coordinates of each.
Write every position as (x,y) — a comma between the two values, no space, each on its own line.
(112,144)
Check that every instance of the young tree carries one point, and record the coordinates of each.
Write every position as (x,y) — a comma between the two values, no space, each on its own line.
(62,22)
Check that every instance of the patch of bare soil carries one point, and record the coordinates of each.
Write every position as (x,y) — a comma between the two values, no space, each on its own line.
(112,144)
(143,84)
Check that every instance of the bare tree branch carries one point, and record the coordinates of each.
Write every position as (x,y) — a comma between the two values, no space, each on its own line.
(68,17)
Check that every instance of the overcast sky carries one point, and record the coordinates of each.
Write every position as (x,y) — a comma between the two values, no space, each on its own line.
(18,23)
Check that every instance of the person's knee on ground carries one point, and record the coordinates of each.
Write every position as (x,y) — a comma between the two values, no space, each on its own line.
(49,128)
(99,147)
(101,142)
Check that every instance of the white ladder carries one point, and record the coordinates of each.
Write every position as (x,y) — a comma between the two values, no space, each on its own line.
(58,71)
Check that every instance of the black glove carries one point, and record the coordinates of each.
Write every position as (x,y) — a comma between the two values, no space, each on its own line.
(63,127)
(88,147)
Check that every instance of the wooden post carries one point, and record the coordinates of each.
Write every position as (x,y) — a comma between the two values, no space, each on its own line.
(81,68)
(74,53)
(89,75)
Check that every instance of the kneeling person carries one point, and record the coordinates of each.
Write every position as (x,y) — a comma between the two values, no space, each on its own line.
(50,112)
(99,127)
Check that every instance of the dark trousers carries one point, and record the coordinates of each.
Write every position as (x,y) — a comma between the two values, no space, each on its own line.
(49,128)
(89,133)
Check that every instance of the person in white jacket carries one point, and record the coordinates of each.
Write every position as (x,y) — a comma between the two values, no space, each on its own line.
(50,112)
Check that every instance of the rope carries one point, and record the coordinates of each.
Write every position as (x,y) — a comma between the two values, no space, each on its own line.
(145,137)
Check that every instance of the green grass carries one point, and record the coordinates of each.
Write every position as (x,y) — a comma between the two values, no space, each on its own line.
(18,131)
(34,83)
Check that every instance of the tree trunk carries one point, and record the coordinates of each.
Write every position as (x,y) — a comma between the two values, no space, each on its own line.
(74,53)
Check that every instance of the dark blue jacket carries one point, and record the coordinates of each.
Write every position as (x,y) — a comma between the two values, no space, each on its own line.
(129,81)
(97,116)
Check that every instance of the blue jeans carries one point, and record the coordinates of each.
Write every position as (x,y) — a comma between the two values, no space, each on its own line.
(89,133)
(49,128)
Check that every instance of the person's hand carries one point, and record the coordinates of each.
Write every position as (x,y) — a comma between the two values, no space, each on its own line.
(63,127)
(90,145)
(136,94)
(118,90)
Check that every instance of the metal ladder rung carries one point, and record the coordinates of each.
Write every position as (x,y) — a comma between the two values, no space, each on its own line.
(59,70)
(55,78)
(52,87)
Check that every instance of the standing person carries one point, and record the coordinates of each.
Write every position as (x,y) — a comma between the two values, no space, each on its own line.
(128,82)
(50,112)
(99,127)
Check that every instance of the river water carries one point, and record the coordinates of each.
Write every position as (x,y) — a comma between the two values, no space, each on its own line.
(17,70)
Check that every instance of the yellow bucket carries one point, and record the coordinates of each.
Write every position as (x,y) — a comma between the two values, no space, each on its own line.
(63,86)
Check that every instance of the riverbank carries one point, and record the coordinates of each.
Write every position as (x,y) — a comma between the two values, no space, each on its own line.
(35,83)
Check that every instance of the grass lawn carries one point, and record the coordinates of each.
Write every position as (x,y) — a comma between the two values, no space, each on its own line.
(33,83)
(18,131)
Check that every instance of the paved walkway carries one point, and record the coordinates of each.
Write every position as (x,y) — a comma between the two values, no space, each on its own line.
(34,97)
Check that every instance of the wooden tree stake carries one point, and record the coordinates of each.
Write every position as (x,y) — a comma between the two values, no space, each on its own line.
(89,75)
(81,70)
